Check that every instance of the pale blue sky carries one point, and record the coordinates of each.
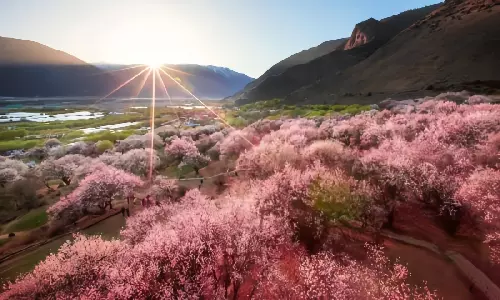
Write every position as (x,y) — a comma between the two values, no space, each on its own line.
(248,36)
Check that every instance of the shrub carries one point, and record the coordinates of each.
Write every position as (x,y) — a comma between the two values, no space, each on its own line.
(102,146)
(339,202)
(50,143)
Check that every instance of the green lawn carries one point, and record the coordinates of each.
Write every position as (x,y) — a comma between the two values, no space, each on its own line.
(19,144)
(33,219)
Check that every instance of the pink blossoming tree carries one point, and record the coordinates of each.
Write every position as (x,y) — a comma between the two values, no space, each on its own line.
(96,191)
(62,168)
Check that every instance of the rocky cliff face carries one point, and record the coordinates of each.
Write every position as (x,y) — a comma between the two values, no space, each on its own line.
(368,31)
(385,29)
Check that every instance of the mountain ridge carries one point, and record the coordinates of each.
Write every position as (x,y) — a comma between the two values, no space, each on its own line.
(388,51)
(298,58)
(31,69)
(422,59)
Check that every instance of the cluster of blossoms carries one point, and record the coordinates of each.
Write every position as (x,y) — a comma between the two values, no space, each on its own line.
(181,147)
(201,248)
(185,150)
(11,170)
(267,235)
(135,161)
(94,192)
(429,155)
(138,142)
(63,168)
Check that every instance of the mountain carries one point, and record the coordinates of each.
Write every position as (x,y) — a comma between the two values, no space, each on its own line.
(29,69)
(453,48)
(207,82)
(299,58)
(449,46)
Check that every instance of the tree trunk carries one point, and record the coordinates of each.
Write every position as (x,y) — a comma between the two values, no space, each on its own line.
(390,219)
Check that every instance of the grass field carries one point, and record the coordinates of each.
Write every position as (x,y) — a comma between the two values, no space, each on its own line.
(33,219)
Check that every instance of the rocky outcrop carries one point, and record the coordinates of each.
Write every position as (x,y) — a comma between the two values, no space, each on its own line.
(368,31)
(385,29)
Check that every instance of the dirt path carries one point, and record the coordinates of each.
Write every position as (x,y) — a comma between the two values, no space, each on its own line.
(476,276)
(473,274)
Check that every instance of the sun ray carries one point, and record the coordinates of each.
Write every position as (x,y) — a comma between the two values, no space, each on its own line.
(141,86)
(151,154)
(122,85)
(168,96)
(163,85)
(202,103)
(143,82)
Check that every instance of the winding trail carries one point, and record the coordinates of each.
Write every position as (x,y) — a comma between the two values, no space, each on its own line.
(471,272)
(476,276)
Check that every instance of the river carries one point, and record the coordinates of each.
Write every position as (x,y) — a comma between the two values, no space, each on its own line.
(10,269)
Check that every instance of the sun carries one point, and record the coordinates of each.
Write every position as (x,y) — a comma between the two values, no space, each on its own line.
(154,61)
(154,64)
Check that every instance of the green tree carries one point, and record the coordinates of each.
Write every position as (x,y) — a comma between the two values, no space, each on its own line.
(104,145)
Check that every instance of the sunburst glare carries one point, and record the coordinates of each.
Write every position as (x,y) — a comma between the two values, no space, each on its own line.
(153,67)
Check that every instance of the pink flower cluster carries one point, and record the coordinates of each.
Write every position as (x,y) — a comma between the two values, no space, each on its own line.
(201,248)
(179,148)
(94,192)
(265,237)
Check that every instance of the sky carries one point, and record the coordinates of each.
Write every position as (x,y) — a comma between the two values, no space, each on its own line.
(248,36)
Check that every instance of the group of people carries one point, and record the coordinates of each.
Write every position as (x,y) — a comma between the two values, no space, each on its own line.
(145,202)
